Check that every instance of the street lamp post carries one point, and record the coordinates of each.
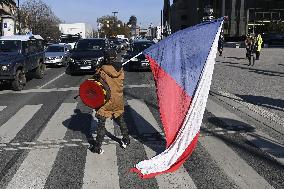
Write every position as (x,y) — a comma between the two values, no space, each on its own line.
(19,17)
(114,22)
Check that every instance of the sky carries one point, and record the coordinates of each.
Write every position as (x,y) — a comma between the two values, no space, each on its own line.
(70,11)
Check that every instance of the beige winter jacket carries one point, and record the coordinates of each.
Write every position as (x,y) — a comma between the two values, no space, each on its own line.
(115,106)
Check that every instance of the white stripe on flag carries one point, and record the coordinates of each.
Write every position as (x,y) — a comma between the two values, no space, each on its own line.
(191,126)
(101,171)
(35,169)
(9,130)
(148,124)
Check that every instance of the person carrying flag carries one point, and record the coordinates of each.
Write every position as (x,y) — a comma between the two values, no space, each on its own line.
(112,73)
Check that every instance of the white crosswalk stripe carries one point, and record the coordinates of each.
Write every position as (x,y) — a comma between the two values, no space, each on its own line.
(10,129)
(179,179)
(236,168)
(36,167)
(102,169)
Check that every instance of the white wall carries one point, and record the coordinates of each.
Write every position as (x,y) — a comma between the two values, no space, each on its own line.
(8,26)
(85,30)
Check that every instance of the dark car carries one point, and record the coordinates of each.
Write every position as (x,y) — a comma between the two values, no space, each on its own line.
(273,39)
(140,62)
(21,55)
(116,44)
(87,55)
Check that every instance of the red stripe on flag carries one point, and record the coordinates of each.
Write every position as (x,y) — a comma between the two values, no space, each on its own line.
(174,106)
(175,166)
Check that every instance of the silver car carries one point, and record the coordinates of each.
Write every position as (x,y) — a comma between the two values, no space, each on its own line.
(57,55)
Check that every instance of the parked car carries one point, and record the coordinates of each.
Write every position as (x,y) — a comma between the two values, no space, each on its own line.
(140,62)
(87,55)
(57,55)
(21,55)
(273,39)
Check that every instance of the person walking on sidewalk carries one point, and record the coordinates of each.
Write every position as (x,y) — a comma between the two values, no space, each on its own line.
(251,49)
(221,44)
(112,73)
(248,43)
(259,42)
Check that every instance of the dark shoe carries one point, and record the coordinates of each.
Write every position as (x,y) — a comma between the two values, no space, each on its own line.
(95,149)
(125,142)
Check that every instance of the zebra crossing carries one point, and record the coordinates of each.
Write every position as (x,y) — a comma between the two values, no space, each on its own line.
(36,168)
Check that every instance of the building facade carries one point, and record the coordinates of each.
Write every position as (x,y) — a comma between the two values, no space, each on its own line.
(8,11)
(244,16)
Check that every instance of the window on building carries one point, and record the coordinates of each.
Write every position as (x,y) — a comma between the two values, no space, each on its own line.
(183,17)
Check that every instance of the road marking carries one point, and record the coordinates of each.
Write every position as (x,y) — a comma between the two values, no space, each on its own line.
(41,87)
(255,108)
(138,86)
(66,89)
(233,166)
(40,90)
(2,108)
(57,126)
(258,138)
(140,111)
(267,144)
(9,130)
(35,169)
(101,171)
(147,123)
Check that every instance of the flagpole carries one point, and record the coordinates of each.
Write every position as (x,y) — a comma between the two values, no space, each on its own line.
(131,59)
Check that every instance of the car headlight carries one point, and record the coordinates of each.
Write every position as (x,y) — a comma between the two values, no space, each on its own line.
(72,60)
(4,68)
(100,60)
(59,57)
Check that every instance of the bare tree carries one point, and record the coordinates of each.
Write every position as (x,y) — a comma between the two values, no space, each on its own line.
(39,18)
(132,21)
(111,26)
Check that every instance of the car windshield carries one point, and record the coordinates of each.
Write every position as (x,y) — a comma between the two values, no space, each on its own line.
(10,45)
(69,39)
(139,47)
(117,42)
(55,49)
(90,45)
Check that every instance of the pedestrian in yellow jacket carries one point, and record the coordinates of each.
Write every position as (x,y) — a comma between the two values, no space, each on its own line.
(112,73)
(259,42)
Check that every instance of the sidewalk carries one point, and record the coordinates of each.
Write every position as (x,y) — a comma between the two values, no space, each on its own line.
(252,133)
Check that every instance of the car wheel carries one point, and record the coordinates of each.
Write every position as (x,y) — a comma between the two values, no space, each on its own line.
(20,81)
(39,73)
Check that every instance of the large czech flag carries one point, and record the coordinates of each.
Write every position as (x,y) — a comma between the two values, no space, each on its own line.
(182,65)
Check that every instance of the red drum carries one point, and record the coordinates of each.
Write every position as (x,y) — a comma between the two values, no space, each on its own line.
(94,93)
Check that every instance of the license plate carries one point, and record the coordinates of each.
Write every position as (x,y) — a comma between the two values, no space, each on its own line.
(85,67)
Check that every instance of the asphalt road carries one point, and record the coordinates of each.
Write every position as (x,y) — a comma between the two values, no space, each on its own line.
(44,133)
